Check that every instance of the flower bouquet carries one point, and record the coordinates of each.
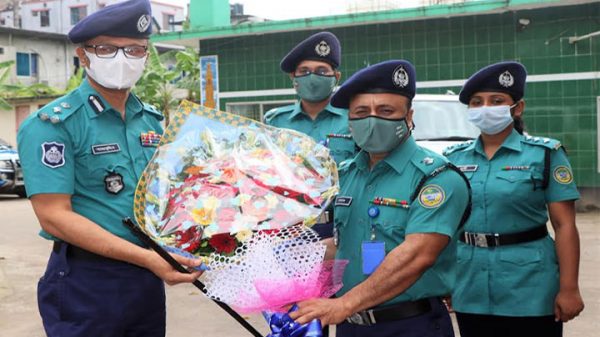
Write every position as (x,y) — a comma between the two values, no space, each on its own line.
(242,195)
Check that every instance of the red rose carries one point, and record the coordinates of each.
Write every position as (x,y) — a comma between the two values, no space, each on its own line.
(191,237)
(223,243)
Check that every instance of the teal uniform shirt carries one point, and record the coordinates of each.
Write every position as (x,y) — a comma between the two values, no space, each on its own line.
(519,279)
(327,128)
(79,145)
(438,208)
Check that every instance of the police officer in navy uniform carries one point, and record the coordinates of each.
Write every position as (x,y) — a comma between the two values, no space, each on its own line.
(313,68)
(82,156)
(513,279)
(395,217)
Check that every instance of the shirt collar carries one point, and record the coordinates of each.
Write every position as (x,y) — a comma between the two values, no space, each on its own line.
(512,142)
(329,108)
(400,156)
(397,159)
(97,105)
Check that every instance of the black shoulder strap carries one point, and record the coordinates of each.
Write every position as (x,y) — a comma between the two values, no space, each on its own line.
(467,212)
(546,168)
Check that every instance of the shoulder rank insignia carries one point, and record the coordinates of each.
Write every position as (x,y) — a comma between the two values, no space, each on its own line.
(456,147)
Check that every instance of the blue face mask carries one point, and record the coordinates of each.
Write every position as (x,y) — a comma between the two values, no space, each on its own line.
(491,120)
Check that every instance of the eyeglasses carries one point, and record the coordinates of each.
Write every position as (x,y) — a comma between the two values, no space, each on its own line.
(321,71)
(107,51)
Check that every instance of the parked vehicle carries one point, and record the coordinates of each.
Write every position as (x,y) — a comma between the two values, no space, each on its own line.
(441,121)
(11,175)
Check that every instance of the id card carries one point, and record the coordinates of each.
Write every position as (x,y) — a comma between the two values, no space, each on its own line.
(373,253)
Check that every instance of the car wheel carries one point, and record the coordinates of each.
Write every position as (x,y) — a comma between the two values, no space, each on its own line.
(21,192)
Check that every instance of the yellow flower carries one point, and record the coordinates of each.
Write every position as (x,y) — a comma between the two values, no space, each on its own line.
(244,235)
(203,216)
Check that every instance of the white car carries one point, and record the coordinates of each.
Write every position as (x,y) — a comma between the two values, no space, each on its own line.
(11,175)
(441,121)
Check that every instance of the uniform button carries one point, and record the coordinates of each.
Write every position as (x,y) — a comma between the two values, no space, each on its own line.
(61,273)
(369,187)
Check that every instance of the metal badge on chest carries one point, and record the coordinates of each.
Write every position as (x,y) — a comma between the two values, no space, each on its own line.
(113,183)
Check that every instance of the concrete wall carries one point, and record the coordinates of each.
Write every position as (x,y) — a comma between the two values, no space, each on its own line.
(9,121)
(55,58)
(60,13)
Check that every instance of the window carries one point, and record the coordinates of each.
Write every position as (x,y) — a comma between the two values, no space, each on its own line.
(78,13)
(27,64)
(1,51)
(168,20)
(45,18)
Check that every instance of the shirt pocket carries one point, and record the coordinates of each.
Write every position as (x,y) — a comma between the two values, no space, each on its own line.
(98,167)
(391,224)
(516,185)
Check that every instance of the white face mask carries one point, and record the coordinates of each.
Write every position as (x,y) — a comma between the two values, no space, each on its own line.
(491,120)
(118,72)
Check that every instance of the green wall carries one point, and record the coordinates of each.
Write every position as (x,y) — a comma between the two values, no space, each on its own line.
(452,49)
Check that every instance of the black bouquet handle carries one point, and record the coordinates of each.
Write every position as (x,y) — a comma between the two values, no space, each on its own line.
(137,231)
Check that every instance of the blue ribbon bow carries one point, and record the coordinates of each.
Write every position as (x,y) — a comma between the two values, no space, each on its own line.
(282,325)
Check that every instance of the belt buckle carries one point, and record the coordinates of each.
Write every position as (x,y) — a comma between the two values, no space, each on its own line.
(480,240)
(364,318)
(323,218)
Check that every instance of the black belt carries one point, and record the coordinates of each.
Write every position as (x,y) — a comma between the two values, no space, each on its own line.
(78,253)
(494,240)
(392,313)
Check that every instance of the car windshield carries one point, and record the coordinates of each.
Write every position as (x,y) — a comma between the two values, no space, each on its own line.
(442,120)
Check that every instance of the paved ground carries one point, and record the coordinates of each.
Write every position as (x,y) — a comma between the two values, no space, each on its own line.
(23,257)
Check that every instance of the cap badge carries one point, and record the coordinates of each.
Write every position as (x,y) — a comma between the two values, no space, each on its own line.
(506,79)
(143,23)
(400,77)
(322,49)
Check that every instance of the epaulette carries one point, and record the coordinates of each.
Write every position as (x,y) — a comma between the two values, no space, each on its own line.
(60,109)
(153,111)
(427,161)
(269,115)
(456,147)
(550,143)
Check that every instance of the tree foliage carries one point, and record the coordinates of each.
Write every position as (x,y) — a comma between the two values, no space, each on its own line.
(10,91)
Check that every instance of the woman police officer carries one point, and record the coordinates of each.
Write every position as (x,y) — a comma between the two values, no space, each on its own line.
(512,278)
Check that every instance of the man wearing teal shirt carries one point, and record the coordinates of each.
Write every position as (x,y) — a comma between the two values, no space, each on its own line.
(513,279)
(312,65)
(82,156)
(396,216)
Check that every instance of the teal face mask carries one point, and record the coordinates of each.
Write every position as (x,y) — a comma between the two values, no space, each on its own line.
(314,88)
(378,135)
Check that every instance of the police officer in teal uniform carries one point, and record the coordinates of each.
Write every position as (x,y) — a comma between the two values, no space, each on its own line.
(396,216)
(312,66)
(513,278)
(82,156)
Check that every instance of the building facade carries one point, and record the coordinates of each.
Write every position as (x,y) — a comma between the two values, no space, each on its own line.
(38,57)
(447,43)
(59,16)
